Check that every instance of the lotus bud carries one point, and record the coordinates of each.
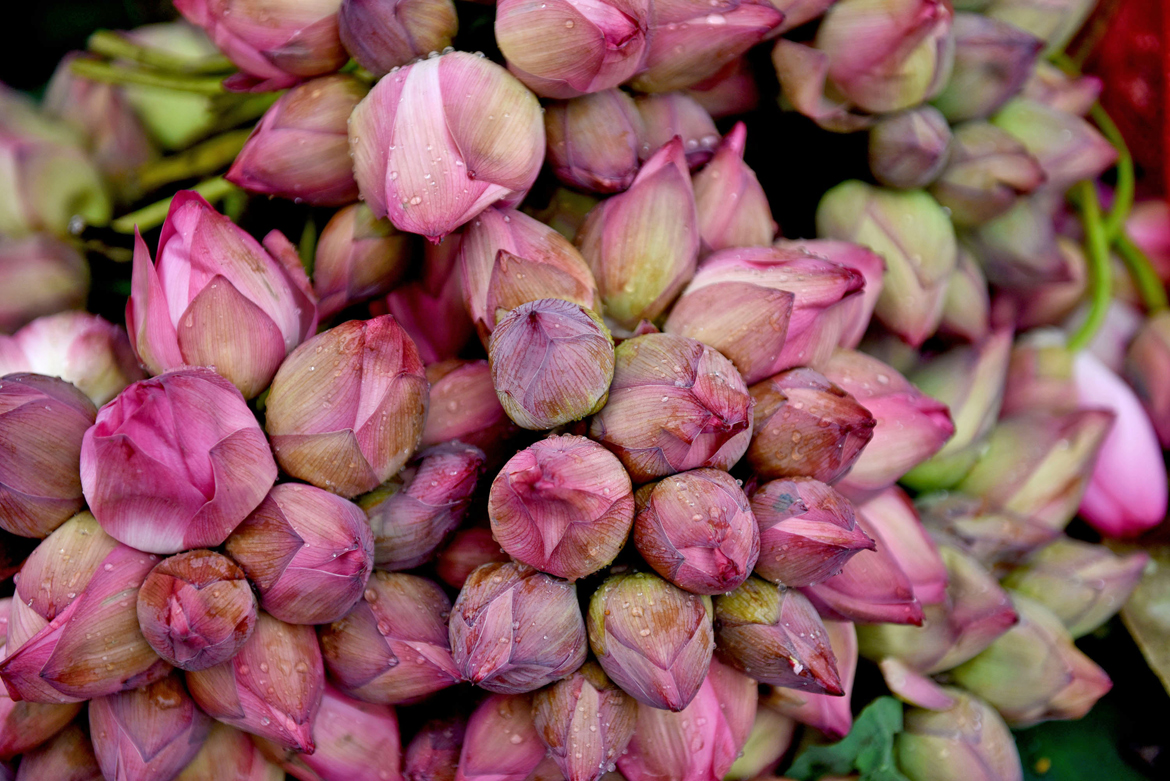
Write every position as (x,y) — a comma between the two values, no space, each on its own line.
(807,531)
(468,550)
(769,740)
(969,525)
(594,141)
(48,185)
(1040,375)
(967,306)
(148,733)
(732,207)
(274,44)
(675,404)
(892,514)
(909,149)
(67,757)
(1033,672)
(210,276)
(677,114)
(196,609)
(1056,89)
(858,308)
(502,742)
(733,90)
(358,258)
(1038,464)
(434,752)
(1053,23)
(43,419)
(1148,371)
(966,742)
(39,275)
(26,725)
(690,42)
(480,153)
(1018,249)
(563,505)
(1082,584)
(393,645)
(828,713)
(696,529)
(272,688)
(642,244)
(914,236)
(701,741)
(993,60)
(464,406)
(217,451)
(1067,148)
(229,755)
(385,34)
(352,444)
(586,722)
(988,170)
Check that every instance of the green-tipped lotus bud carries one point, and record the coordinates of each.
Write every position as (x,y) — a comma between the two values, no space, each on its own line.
(770,738)
(229,755)
(586,721)
(433,753)
(967,307)
(594,140)
(967,742)
(993,59)
(652,639)
(909,149)
(1067,147)
(969,524)
(987,171)
(1055,23)
(828,713)
(671,114)
(69,757)
(1018,249)
(1056,89)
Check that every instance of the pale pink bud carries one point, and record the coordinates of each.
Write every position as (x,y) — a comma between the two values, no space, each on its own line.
(358,258)
(1056,89)
(677,114)
(502,743)
(594,140)
(993,59)
(210,468)
(1148,371)
(733,90)
(229,755)
(47,184)
(732,207)
(893,515)
(586,722)
(39,275)
(909,149)
(859,308)
(433,753)
(464,406)
(67,757)
(988,171)
(967,305)
(468,550)
(26,725)
(384,34)
(826,712)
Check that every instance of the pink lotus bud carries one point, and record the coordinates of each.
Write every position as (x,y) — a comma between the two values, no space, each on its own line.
(275,44)
(68,757)
(393,645)
(1067,147)
(774,635)
(528,352)
(271,688)
(196,609)
(732,207)
(26,725)
(642,244)
(970,525)
(210,273)
(910,148)
(806,426)
(39,275)
(677,114)
(987,172)
(967,306)
(480,151)
(1148,371)
(892,514)
(192,432)
(563,505)
(586,722)
(731,91)
(47,184)
(859,308)
(300,148)
(1056,89)
(966,742)
(514,629)
(807,531)
(42,422)
(502,742)
(83,349)
(384,34)
(594,141)
(464,406)
(229,755)
(696,529)
(700,742)
(675,404)
(912,687)
(355,423)
(993,59)
(148,733)
(413,513)
(690,42)
(828,713)
(652,639)
(468,550)
(358,258)
(767,743)
(433,753)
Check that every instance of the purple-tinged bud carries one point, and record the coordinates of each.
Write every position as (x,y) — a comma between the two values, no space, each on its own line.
(774,635)
(393,645)
(502,742)
(414,512)
(42,423)
(807,531)
(468,550)
(677,114)
(358,258)
(968,524)
(731,91)
(1040,375)
(651,638)
(598,43)
(1018,249)
(586,721)
(732,207)
(1033,672)
(696,529)
(914,236)
(966,742)
(675,404)
(1067,147)
(47,184)
(385,34)
(642,244)
(211,284)
(470,164)
(702,741)
(229,755)
(967,306)
(1082,584)
(351,425)
(805,426)
(67,757)
(769,740)
(464,406)
(196,609)
(987,172)
(563,505)
(993,59)
(514,629)
(433,753)
(39,275)
(910,148)
(892,514)
(858,308)
(1055,23)
(690,42)
(148,733)
(594,141)
(275,44)
(828,713)
(1148,370)
(1056,89)
(26,725)
(529,352)
(205,460)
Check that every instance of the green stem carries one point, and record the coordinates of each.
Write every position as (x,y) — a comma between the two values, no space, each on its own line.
(198,161)
(117,47)
(1100,279)
(152,216)
(235,109)
(1149,284)
(1123,193)
(96,70)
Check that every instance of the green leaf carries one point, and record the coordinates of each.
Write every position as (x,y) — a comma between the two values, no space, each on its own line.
(868,749)
(1083,750)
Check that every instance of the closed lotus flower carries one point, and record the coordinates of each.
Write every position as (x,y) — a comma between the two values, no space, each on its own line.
(464,406)
(358,257)
(67,757)
(594,140)
(910,148)
(993,60)
(732,206)
(39,275)
(384,34)
(502,743)
(586,722)
(433,752)
(965,742)
(671,114)
(229,755)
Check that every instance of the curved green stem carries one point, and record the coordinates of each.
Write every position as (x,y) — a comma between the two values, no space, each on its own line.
(1123,193)
(117,47)
(1100,278)
(153,215)
(95,70)
(1149,284)
(200,160)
